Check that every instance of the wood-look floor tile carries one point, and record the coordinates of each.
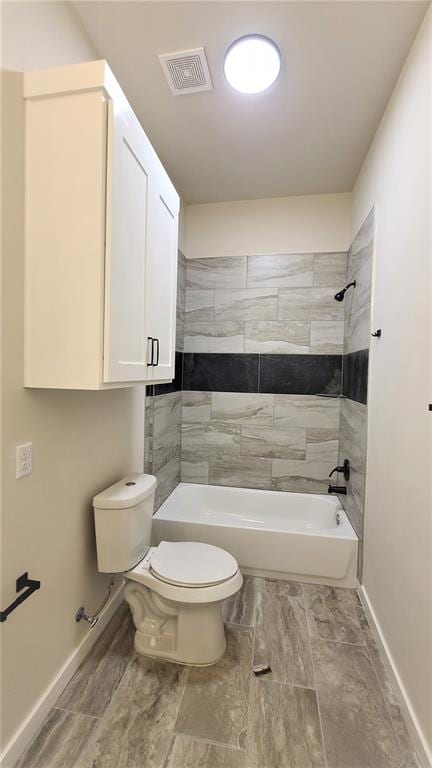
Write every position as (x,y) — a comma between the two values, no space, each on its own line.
(281,636)
(60,742)
(331,614)
(284,729)
(356,726)
(216,698)
(189,753)
(137,728)
(91,688)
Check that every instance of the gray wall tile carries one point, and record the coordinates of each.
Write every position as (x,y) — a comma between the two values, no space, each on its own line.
(302,476)
(214,337)
(223,272)
(280,270)
(309,304)
(201,440)
(307,411)
(327,337)
(273,442)
(322,444)
(357,330)
(330,269)
(194,471)
(277,337)
(242,471)
(199,306)
(246,304)
(242,408)
(196,406)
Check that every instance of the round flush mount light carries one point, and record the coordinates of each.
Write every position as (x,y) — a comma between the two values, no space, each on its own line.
(252,64)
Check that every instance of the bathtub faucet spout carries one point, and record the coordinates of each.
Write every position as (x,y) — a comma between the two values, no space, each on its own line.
(337,489)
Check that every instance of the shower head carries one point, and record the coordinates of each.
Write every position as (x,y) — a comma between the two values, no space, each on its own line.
(340,295)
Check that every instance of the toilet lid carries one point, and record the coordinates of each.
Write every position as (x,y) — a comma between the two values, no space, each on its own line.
(191,564)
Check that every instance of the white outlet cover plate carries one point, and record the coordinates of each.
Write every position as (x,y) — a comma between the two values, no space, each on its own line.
(24,460)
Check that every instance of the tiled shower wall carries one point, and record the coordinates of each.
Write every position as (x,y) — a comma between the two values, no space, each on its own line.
(353,421)
(262,370)
(163,411)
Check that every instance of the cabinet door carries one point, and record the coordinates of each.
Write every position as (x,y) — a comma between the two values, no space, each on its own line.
(129,170)
(162,274)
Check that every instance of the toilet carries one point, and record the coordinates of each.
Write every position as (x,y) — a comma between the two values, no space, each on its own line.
(175,590)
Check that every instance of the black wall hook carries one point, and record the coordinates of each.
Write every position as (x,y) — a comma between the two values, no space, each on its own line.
(22,582)
(376,334)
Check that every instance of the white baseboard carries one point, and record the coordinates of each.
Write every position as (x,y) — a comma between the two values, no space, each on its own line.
(416,732)
(31,725)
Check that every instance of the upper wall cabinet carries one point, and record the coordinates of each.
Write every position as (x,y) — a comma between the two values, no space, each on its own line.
(101,237)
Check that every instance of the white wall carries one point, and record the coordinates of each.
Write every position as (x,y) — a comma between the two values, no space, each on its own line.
(303,224)
(396,179)
(81,441)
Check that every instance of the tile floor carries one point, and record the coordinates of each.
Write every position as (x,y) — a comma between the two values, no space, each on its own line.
(327,702)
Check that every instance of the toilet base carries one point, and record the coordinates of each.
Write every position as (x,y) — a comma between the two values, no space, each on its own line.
(185,633)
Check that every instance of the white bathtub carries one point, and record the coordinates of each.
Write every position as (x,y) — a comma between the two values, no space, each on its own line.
(298,536)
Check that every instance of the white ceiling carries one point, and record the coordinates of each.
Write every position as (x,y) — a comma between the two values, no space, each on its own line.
(308,134)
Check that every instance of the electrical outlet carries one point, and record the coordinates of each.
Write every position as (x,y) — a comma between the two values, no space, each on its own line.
(24,460)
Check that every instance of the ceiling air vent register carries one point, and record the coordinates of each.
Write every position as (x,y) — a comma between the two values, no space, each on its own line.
(186,71)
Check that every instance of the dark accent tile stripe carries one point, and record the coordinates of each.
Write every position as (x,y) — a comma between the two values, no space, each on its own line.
(220,372)
(355,375)
(176,385)
(300,374)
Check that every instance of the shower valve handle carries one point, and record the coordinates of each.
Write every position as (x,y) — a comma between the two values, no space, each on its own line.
(345,469)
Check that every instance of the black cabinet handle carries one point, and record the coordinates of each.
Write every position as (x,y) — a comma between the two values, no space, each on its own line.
(150,338)
(157,352)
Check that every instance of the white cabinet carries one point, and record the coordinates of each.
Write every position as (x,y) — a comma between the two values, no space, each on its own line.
(101,237)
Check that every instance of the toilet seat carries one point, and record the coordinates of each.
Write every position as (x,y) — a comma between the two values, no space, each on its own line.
(192,564)
(188,593)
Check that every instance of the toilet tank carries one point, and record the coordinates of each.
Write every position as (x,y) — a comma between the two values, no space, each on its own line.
(123,519)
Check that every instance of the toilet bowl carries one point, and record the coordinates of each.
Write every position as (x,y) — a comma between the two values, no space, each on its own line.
(175,590)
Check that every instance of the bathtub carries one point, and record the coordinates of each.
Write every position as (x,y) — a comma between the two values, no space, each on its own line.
(295,536)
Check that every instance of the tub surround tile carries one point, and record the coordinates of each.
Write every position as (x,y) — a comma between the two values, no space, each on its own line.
(194,471)
(330,270)
(327,337)
(357,729)
(309,304)
(221,372)
(353,433)
(322,444)
(331,614)
(284,727)
(300,374)
(243,471)
(364,236)
(167,412)
(215,437)
(273,442)
(307,411)
(190,753)
(357,330)
(166,446)
(300,476)
(138,727)
(61,741)
(168,478)
(216,699)
(219,272)
(244,409)
(280,270)
(216,336)
(360,295)
(355,375)
(246,304)
(90,690)
(199,307)
(281,637)
(196,407)
(288,337)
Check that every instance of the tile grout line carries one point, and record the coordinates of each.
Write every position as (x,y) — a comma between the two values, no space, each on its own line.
(73,712)
(316,684)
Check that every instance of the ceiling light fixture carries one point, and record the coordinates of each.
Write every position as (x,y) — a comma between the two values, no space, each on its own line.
(252,64)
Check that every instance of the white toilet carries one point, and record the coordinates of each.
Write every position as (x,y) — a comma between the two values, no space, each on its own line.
(175,590)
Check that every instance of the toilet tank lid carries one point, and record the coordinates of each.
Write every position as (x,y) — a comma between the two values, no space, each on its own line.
(127,492)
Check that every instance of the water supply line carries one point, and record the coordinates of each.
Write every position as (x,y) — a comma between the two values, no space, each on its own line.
(93,620)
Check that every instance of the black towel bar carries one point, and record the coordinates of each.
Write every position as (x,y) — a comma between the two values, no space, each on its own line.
(22,582)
